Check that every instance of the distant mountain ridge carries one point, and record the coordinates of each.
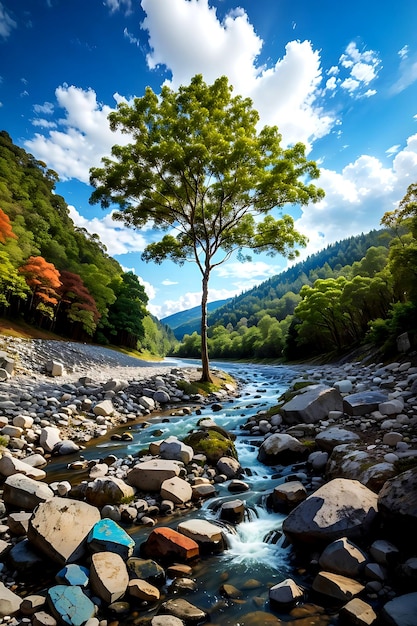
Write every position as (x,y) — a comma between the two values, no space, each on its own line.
(186,322)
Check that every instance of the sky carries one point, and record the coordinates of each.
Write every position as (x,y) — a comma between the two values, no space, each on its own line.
(341,79)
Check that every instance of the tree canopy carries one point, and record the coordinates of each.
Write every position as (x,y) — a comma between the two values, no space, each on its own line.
(200,171)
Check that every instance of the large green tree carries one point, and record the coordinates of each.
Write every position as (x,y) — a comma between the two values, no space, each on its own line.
(199,169)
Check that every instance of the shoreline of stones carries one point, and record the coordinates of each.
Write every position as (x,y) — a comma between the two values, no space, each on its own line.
(344,431)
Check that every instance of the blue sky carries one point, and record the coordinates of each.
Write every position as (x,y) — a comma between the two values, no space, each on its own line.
(343,80)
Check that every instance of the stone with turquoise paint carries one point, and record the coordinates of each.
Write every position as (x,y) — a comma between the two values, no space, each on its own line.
(70,605)
(73,574)
(107,536)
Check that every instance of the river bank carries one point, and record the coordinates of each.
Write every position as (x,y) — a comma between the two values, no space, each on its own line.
(303,449)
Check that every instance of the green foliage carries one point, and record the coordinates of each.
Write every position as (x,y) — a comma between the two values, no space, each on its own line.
(76,288)
(198,167)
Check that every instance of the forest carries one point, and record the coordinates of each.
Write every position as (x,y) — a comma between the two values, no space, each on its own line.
(59,277)
(361,289)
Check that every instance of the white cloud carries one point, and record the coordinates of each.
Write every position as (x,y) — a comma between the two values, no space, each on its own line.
(7,23)
(247,270)
(42,123)
(118,239)
(407,72)
(116,5)
(47,108)
(357,198)
(84,136)
(167,282)
(363,68)
(190,300)
(187,38)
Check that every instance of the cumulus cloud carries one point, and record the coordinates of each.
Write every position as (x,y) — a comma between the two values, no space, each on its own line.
(358,196)
(83,137)
(119,5)
(363,68)
(188,38)
(118,239)
(189,300)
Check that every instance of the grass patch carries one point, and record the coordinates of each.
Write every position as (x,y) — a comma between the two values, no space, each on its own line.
(196,386)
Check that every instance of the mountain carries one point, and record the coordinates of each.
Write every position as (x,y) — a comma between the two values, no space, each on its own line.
(186,322)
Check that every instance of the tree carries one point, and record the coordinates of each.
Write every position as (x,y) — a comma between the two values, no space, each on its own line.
(43,279)
(127,312)
(77,304)
(198,167)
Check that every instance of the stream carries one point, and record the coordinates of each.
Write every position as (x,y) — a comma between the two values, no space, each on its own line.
(256,558)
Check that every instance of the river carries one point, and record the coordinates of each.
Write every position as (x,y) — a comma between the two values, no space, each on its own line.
(252,562)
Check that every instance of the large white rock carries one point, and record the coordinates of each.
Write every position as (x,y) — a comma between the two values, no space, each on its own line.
(109,577)
(59,528)
(340,508)
(149,475)
(104,408)
(10,465)
(24,492)
(177,490)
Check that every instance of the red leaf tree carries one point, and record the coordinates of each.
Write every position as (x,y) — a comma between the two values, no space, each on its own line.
(77,305)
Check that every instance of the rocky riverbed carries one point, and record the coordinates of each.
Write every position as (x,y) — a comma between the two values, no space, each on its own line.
(347,431)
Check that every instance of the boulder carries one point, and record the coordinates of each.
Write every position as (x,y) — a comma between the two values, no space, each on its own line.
(177,490)
(363,402)
(175,450)
(288,495)
(49,437)
(60,526)
(336,587)
(281,449)
(208,536)
(108,576)
(333,436)
(343,557)
(340,508)
(149,475)
(311,404)
(24,492)
(401,611)
(232,511)
(286,592)
(166,544)
(108,490)
(69,605)
(228,466)
(107,536)
(10,465)
(73,574)
(397,503)
(358,613)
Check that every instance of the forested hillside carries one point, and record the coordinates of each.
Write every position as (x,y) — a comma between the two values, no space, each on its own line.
(360,289)
(58,276)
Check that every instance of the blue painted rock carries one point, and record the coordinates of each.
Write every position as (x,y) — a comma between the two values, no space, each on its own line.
(73,574)
(107,536)
(70,605)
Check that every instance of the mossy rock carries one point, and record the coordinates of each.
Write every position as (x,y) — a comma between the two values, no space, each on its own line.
(216,428)
(212,444)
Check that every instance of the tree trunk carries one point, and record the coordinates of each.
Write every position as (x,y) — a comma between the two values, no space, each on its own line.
(205,375)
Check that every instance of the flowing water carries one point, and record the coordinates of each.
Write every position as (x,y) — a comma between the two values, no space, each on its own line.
(255,558)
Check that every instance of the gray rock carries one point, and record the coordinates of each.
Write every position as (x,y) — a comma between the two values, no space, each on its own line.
(340,508)
(24,492)
(311,404)
(401,611)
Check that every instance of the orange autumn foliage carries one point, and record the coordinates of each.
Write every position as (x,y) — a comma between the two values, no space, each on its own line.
(6,231)
(43,278)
